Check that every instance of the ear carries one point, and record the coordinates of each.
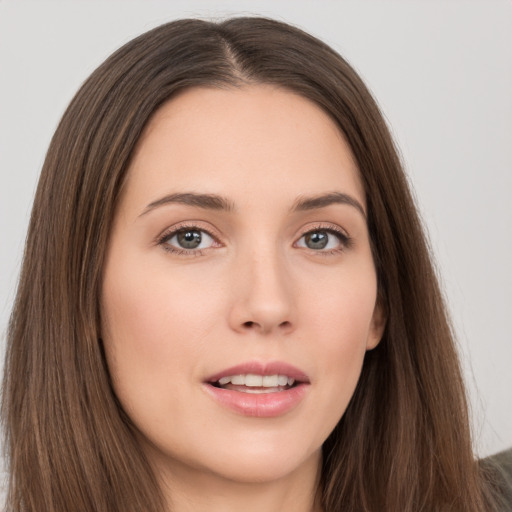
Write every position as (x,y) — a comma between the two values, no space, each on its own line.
(378,324)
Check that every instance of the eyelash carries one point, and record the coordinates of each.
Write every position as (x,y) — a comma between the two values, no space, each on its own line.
(169,234)
(344,240)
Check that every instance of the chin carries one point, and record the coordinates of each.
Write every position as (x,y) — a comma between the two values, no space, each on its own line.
(243,463)
(266,469)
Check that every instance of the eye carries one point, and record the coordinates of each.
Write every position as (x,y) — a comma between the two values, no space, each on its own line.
(187,239)
(323,240)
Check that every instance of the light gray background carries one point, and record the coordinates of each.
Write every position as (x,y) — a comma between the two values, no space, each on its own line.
(442,72)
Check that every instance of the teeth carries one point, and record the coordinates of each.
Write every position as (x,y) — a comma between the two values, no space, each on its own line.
(282,380)
(257,381)
(271,381)
(239,380)
(253,381)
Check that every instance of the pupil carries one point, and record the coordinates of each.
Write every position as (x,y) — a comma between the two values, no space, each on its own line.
(189,239)
(317,240)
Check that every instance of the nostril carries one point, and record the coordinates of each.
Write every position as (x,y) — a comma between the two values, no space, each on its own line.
(250,325)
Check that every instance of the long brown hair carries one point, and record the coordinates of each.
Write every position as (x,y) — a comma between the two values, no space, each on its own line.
(403,443)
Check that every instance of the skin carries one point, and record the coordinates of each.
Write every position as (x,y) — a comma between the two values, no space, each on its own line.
(254,291)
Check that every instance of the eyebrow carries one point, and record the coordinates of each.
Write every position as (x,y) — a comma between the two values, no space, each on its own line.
(216,202)
(324,200)
(206,201)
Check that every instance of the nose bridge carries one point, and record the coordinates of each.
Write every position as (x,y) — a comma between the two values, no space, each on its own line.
(264,300)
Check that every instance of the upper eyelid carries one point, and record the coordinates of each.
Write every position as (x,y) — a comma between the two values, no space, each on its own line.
(344,238)
(327,226)
(194,225)
(168,234)
(340,235)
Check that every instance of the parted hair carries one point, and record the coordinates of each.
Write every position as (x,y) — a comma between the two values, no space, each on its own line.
(404,441)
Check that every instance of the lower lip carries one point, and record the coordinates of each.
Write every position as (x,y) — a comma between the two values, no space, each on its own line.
(262,405)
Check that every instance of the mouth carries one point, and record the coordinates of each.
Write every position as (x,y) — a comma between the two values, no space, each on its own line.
(255,384)
(257,389)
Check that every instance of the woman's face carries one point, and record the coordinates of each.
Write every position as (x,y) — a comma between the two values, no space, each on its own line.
(239,293)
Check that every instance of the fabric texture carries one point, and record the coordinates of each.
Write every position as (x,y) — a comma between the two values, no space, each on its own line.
(501,466)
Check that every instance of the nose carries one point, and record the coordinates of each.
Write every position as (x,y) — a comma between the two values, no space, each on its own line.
(263,295)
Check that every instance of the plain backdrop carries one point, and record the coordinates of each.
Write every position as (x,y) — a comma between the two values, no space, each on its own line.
(442,73)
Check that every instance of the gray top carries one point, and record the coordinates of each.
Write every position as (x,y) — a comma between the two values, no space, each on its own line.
(502,465)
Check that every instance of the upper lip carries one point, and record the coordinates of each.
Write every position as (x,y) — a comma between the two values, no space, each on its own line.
(261,368)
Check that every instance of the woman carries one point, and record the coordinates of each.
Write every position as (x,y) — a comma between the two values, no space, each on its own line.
(227,299)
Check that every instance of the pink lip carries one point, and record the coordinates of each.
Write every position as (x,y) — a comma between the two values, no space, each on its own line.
(264,405)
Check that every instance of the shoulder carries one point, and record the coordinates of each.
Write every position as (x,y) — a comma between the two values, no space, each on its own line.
(501,466)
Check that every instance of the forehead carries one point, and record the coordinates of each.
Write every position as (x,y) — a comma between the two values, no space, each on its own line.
(251,141)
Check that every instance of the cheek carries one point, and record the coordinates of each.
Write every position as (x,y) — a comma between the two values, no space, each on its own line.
(151,327)
(152,305)
(341,305)
(340,316)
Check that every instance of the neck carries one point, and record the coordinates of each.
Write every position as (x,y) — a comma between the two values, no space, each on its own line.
(189,490)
